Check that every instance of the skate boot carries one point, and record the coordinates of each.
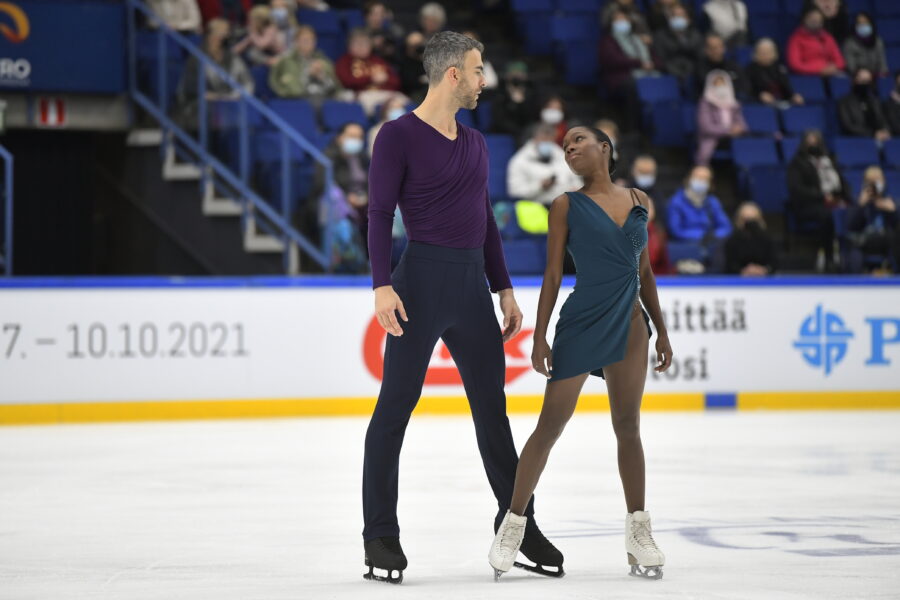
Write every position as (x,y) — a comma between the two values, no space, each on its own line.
(385,554)
(645,558)
(506,543)
(539,550)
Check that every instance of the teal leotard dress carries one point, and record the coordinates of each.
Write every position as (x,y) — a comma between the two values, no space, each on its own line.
(592,330)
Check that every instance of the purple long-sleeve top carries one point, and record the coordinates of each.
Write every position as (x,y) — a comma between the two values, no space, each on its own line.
(441,187)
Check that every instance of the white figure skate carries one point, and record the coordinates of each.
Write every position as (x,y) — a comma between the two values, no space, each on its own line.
(506,544)
(645,558)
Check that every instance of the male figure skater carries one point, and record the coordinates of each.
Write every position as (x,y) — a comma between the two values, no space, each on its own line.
(437,170)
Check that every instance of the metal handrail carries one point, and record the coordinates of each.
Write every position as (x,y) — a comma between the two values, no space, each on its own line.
(6,260)
(238,181)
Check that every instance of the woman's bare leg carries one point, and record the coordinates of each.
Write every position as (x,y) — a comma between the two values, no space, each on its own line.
(560,399)
(625,383)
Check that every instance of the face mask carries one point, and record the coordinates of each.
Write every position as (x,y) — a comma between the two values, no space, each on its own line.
(720,92)
(545,149)
(352,146)
(279,14)
(816,150)
(622,27)
(753,226)
(879,187)
(395,113)
(645,181)
(678,23)
(864,30)
(551,116)
(699,186)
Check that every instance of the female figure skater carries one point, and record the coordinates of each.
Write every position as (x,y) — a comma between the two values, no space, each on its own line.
(602,330)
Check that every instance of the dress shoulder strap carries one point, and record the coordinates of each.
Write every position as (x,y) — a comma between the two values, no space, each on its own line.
(634,198)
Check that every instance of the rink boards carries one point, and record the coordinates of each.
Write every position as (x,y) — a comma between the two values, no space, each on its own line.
(76,350)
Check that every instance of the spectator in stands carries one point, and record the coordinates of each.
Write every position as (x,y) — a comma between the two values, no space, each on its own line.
(634,14)
(553,113)
(719,116)
(515,105)
(491,81)
(369,76)
(624,57)
(432,19)
(233,11)
(657,246)
(813,51)
(714,58)
(767,78)
(263,43)
(728,20)
(815,188)
(350,169)
(644,177)
(660,13)
(386,34)
(892,107)
(284,19)
(837,21)
(412,70)
(679,45)
(694,214)
(180,15)
(860,110)
(749,250)
(538,171)
(215,46)
(873,226)
(864,49)
(304,72)
(624,147)
(391,110)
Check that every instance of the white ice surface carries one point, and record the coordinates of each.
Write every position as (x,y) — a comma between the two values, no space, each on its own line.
(745,505)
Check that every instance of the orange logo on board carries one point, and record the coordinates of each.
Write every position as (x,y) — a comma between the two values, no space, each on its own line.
(21,28)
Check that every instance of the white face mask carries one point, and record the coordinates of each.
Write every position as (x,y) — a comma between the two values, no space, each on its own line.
(699,186)
(395,113)
(545,149)
(879,186)
(644,180)
(352,146)
(552,116)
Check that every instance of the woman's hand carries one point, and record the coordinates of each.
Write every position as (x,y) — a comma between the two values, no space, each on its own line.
(542,357)
(663,353)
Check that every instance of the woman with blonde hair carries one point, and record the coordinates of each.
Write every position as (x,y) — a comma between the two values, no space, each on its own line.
(264,42)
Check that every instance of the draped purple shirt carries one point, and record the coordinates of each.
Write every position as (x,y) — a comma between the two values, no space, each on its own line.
(441,187)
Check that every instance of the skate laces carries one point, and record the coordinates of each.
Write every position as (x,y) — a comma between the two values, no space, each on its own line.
(640,531)
(511,535)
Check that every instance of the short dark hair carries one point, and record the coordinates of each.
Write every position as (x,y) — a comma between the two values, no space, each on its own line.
(444,50)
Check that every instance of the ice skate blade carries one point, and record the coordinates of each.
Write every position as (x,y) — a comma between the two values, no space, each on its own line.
(497,574)
(541,570)
(389,578)
(646,572)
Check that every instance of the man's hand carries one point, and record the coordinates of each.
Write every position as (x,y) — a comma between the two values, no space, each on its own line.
(387,304)
(512,315)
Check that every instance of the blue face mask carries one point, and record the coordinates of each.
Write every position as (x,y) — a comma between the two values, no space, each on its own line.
(678,23)
(279,14)
(545,149)
(864,30)
(645,181)
(352,146)
(622,27)
(698,186)
(395,113)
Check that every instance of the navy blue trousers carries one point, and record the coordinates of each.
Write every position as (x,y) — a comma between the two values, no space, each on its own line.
(446,297)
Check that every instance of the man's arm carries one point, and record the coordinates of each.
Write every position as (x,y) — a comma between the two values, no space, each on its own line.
(494,261)
(386,173)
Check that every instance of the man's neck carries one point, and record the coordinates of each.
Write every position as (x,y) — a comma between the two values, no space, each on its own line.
(439,109)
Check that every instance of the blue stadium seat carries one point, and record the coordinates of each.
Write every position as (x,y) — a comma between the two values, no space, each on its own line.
(261,87)
(658,89)
(764,25)
(839,86)
(854,179)
(892,183)
(766,7)
(500,149)
(580,62)
(686,251)
(892,54)
(352,19)
(336,114)
(466,117)
(226,114)
(689,118)
(798,119)
(891,150)
(885,85)
(526,256)
(810,87)
(754,152)
(571,28)
(532,28)
(768,188)
(533,6)
(761,119)
(855,6)
(742,55)
(789,147)
(323,21)
(884,8)
(333,45)
(889,29)
(298,113)
(856,151)
(147,46)
(497,183)
(579,6)
(484,115)
(266,148)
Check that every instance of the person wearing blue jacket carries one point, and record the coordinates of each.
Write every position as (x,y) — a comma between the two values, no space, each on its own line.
(694,214)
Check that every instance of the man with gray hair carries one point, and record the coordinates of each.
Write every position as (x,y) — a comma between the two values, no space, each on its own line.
(436,169)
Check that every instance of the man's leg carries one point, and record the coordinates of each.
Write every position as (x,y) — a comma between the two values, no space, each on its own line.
(406,360)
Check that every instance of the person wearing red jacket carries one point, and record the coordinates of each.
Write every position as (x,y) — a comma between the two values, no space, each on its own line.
(235,11)
(370,76)
(813,51)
